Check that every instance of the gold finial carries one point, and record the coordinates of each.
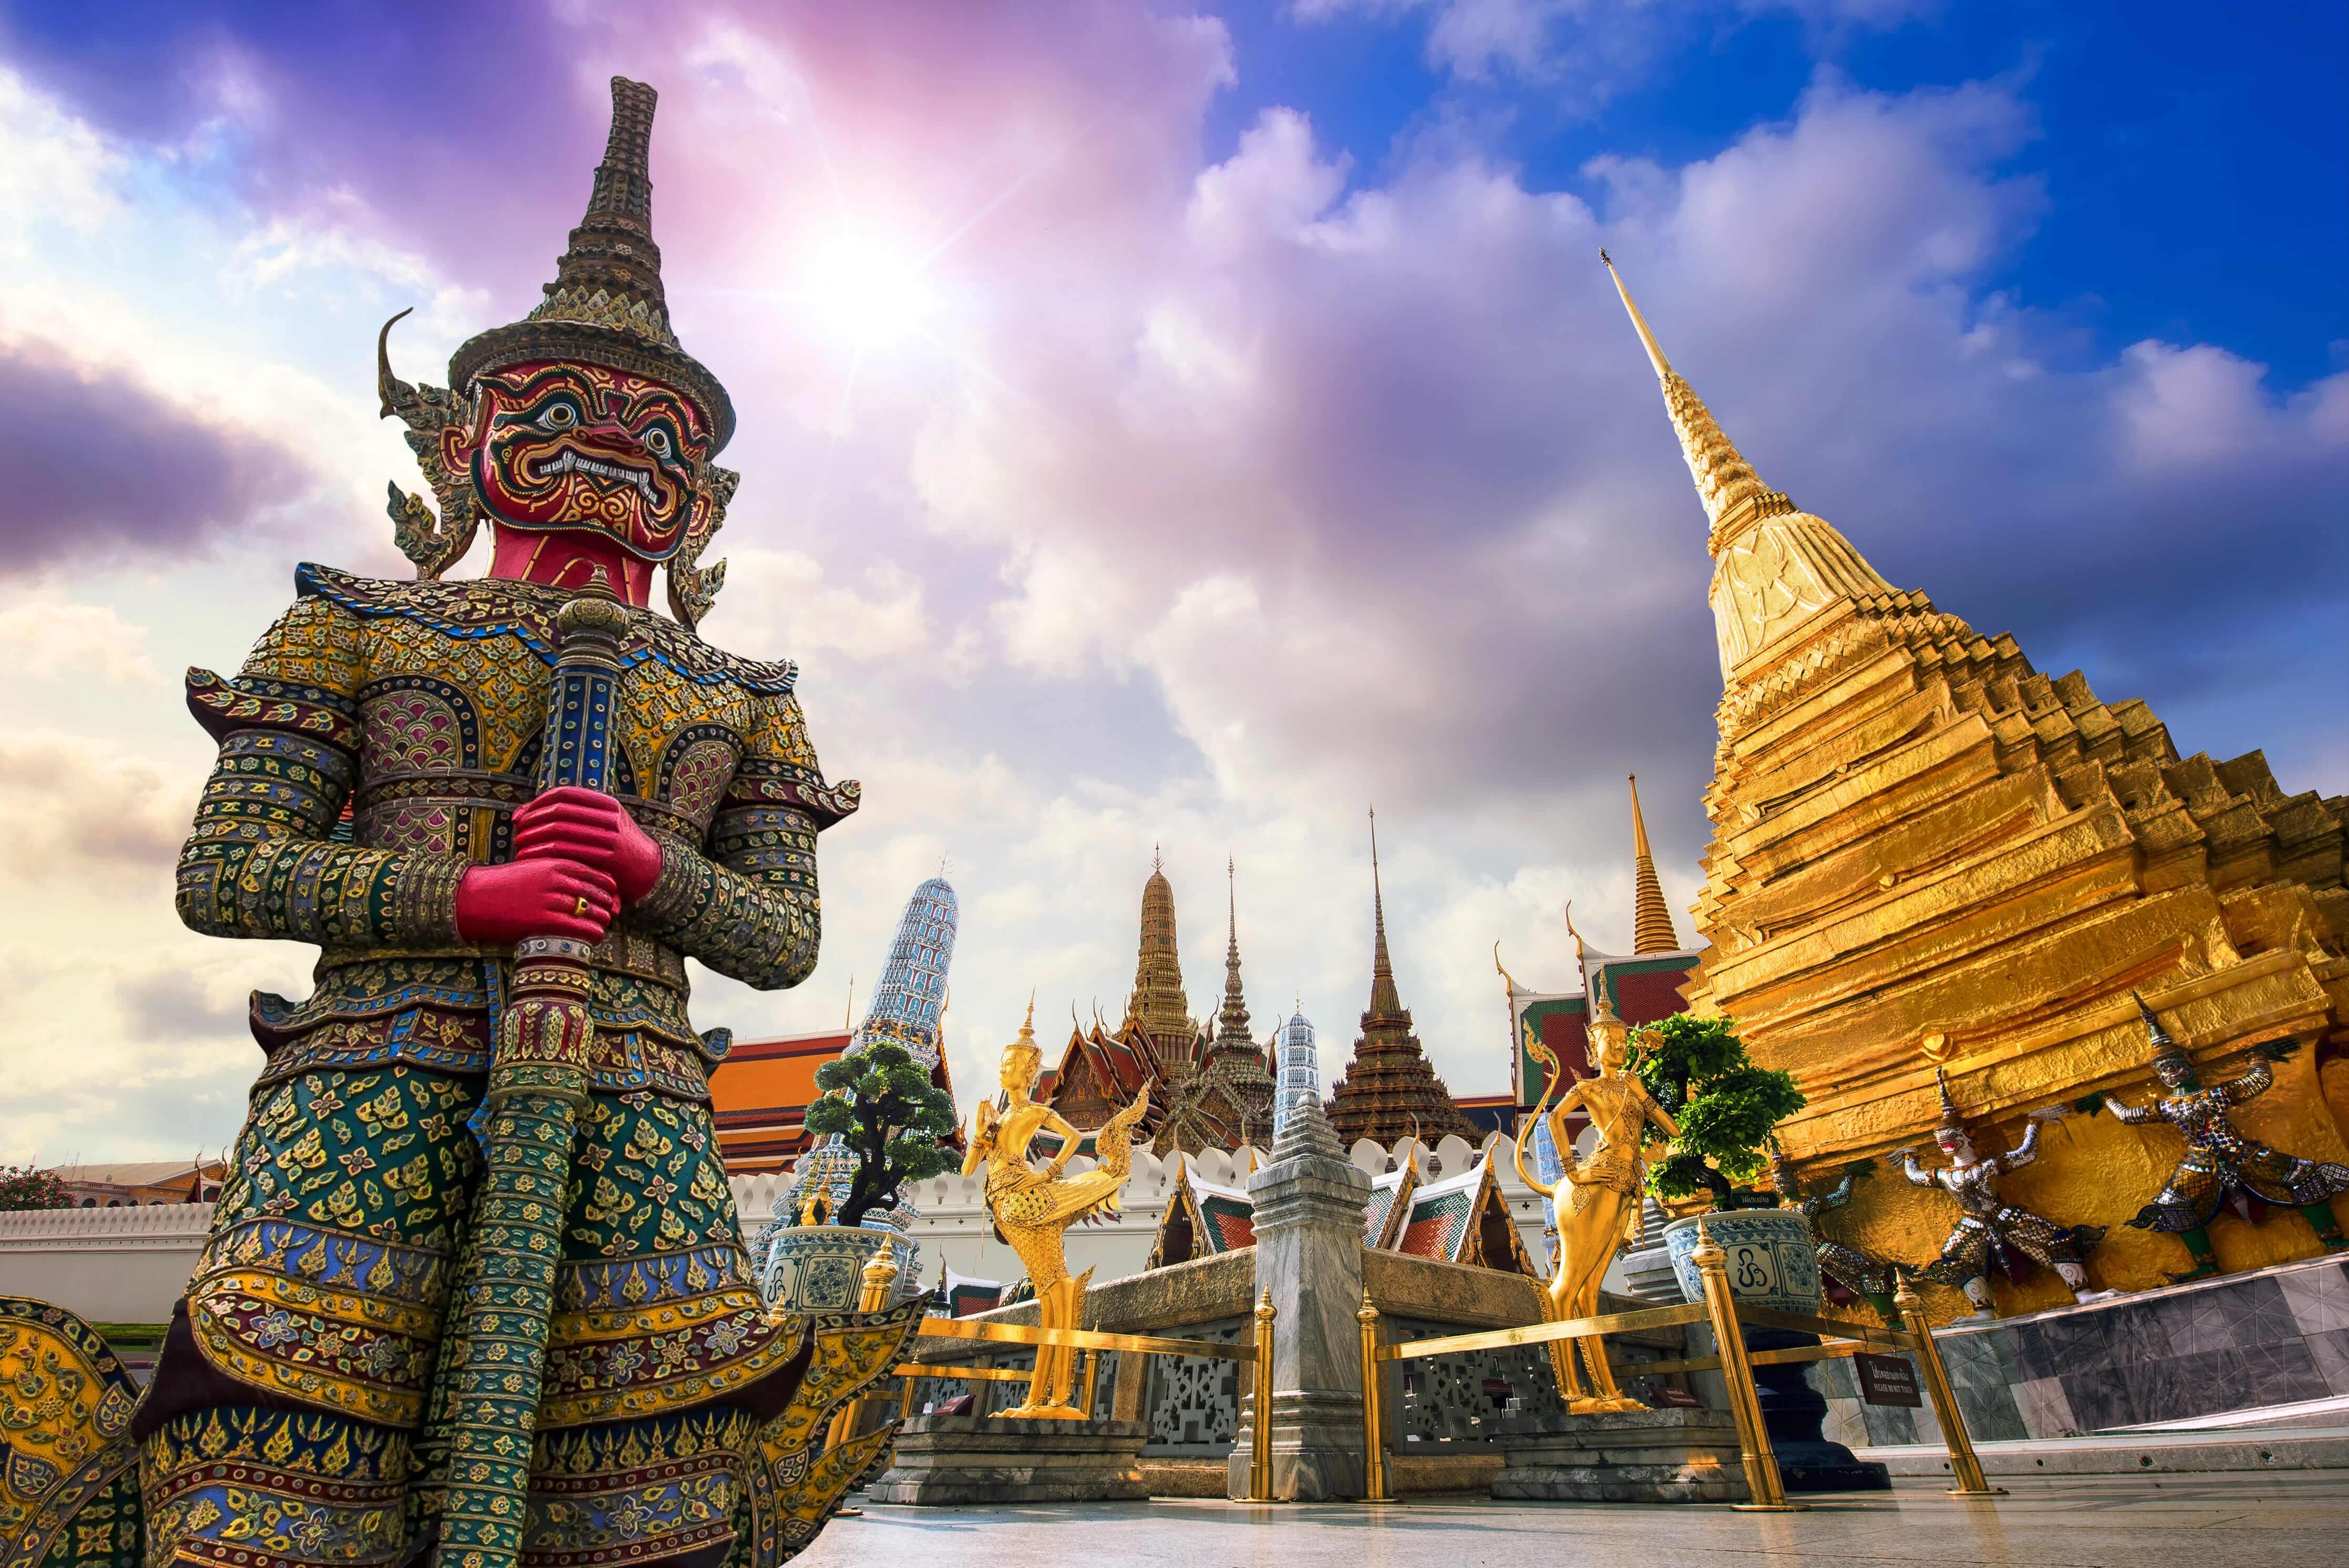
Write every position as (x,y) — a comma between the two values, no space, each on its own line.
(1709,1253)
(1733,494)
(848,1009)
(1579,958)
(1651,918)
(1655,354)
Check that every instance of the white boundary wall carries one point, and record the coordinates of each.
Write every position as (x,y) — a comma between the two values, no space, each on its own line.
(128,1265)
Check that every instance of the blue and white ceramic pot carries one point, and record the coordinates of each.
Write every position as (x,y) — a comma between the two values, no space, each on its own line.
(1772,1264)
(821,1268)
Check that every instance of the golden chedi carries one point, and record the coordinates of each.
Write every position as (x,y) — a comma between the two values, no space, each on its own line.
(1925,852)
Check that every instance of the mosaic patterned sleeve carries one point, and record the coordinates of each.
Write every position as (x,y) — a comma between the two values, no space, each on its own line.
(2251,1085)
(745,904)
(263,859)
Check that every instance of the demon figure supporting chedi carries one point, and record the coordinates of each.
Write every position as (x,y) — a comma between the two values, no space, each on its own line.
(475,1291)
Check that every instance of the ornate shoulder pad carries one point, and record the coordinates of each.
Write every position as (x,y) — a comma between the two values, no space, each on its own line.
(223,707)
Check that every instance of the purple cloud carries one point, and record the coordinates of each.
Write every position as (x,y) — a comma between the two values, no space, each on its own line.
(99,465)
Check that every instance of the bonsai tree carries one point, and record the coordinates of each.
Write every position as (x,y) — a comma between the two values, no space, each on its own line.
(24,1186)
(885,1108)
(1698,1070)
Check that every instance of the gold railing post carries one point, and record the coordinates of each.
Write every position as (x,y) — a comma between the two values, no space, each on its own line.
(906,1399)
(874,1284)
(1092,1376)
(1965,1468)
(1763,1481)
(1374,1458)
(1260,1450)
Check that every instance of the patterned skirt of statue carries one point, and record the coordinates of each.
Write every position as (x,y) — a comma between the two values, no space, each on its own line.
(293,1415)
(2007,1238)
(2204,1178)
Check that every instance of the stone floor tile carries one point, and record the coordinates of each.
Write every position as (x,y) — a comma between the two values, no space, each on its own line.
(2045,1412)
(2318,1297)
(1991,1415)
(2218,1522)
(2330,1351)
(2283,1373)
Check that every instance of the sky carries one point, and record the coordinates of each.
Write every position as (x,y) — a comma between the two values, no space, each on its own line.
(1171,430)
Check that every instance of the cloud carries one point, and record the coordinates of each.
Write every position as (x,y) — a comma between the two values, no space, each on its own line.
(49,637)
(1593,49)
(100,466)
(1209,502)
(778,600)
(82,811)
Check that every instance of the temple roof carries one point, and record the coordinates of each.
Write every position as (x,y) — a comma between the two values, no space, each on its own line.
(1390,1091)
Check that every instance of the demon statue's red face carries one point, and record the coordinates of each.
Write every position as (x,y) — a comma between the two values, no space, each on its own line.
(563,445)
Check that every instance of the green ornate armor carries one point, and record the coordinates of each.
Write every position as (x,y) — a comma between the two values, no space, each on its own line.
(475,1291)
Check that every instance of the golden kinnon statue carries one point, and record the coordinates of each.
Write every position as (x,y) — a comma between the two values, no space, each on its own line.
(1600,1210)
(1033,1209)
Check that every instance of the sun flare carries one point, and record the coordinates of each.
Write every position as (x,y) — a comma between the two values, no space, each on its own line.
(866,292)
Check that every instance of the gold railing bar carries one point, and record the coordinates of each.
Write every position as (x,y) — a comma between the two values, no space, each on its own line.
(1082,1339)
(1543,1333)
(974,1374)
(1868,1334)
(1840,1350)
(1624,1369)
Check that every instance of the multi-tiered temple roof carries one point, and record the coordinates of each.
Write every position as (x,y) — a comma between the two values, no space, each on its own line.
(1390,1091)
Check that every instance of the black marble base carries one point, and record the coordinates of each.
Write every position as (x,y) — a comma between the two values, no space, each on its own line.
(1828,1467)
(1793,1412)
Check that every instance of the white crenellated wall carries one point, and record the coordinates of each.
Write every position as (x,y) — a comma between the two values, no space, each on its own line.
(128,1265)
(105,1265)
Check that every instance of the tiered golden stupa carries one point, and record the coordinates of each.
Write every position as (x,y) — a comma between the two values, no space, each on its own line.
(1926,851)
(1157,1002)
(1389,1091)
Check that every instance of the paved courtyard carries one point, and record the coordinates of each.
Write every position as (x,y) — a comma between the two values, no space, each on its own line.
(2274,1520)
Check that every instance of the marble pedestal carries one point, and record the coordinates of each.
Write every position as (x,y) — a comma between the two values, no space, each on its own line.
(945,1462)
(1628,1456)
(1308,1254)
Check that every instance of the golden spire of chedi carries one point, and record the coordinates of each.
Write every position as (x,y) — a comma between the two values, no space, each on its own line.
(1158,1001)
(1778,569)
(1918,840)
(1652,921)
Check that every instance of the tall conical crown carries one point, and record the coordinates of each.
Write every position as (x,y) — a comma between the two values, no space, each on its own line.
(2161,1046)
(607,305)
(1651,920)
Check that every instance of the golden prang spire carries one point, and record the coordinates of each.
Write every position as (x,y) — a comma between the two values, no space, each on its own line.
(1735,496)
(1651,919)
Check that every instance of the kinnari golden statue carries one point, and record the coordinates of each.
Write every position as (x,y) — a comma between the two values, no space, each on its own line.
(1034,1209)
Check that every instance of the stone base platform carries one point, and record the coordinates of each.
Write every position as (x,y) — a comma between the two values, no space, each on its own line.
(1628,1456)
(2275,1337)
(947,1462)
